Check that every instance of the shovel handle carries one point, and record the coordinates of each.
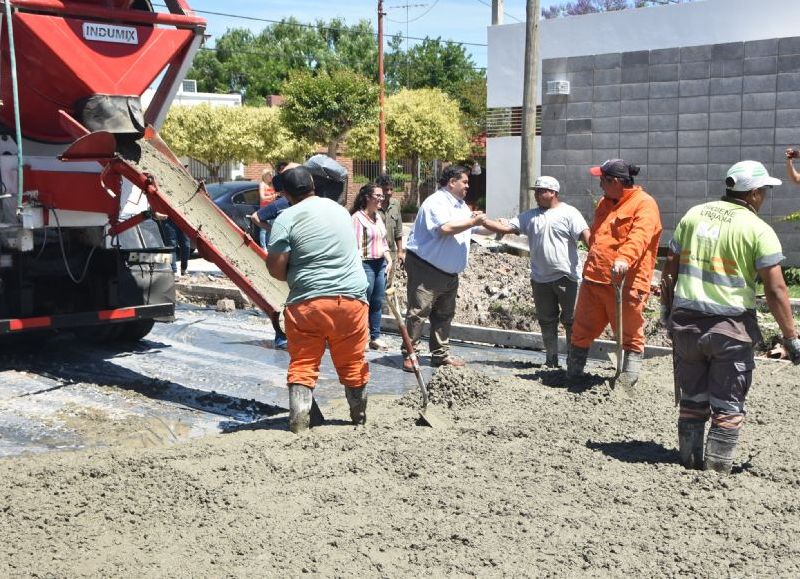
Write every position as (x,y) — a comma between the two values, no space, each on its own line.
(412,355)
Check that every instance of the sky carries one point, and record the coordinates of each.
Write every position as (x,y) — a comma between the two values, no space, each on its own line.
(457,20)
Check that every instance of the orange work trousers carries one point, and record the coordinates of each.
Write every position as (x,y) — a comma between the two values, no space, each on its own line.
(342,323)
(596,308)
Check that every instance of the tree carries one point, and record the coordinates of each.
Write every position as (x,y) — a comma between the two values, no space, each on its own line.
(323,108)
(220,135)
(256,65)
(423,124)
(590,6)
(443,65)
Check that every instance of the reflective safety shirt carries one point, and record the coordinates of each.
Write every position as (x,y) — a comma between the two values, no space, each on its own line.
(628,229)
(722,245)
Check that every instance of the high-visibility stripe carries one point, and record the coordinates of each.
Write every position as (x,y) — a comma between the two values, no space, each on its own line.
(30,323)
(119,314)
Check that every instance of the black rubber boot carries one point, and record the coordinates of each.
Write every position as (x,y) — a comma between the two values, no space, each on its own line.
(550,339)
(690,442)
(576,361)
(357,399)
(300,398)
(720,449)
(631,366)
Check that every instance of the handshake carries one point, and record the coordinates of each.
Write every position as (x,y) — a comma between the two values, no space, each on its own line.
(478,218)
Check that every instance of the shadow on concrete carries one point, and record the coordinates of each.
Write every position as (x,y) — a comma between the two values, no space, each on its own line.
(68,363)
(636,451)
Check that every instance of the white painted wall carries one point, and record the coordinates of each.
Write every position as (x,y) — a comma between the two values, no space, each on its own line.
(502,169)
(693,24)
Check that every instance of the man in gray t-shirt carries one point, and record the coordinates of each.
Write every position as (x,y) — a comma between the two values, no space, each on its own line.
(312,247)
(553,229)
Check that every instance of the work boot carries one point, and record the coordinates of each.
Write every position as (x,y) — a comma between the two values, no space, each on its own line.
(631,366)
(357,399)
(690,442)
(300,399)
(550,339)
(576,361)
(721,448)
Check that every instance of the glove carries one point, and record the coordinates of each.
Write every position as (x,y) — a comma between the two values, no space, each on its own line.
(792,346)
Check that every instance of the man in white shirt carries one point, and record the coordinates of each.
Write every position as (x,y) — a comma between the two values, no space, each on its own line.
(553,229)
(437,250)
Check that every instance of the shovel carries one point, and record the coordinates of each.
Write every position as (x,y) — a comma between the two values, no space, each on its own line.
(616,357)
(426,416)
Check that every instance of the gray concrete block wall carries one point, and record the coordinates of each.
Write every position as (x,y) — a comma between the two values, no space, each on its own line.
(684,115)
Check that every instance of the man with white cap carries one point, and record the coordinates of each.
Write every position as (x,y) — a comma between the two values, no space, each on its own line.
(553,229)
(716,253)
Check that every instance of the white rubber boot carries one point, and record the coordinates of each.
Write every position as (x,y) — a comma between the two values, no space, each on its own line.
(357,399)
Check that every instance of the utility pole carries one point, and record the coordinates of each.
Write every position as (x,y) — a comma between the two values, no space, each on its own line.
(381,114)
(497,12)
(407,6)
(529,91)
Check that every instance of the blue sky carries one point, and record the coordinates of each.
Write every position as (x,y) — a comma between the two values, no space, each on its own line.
(459,20)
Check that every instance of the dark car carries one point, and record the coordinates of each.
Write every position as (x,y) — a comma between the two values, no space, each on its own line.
(238,200)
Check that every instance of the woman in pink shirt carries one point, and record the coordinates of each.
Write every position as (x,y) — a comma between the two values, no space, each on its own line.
(374,250)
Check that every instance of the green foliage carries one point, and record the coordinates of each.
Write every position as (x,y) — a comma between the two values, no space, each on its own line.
(792,275)
(423,123)
(442,65)
(219,135)
(323,108)
(256,65)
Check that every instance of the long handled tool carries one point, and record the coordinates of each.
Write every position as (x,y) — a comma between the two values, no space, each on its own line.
(618,312)
(426,416)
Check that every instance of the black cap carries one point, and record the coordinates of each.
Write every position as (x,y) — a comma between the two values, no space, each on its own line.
(615,168)
(297,181)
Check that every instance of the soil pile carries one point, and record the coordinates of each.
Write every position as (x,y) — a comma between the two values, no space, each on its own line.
(534,478)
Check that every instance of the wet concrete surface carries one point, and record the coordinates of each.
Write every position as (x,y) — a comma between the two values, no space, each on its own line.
(206,373)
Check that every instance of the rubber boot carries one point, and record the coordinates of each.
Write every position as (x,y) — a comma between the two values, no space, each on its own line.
(576,361)
(690,442)
(550,339)
(631,365)
(357,399)
(720,449)
(300,398)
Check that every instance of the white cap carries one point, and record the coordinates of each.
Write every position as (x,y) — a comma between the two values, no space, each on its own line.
(749,175)
(544,182)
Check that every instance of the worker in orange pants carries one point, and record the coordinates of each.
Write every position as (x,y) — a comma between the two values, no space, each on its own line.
(623,246)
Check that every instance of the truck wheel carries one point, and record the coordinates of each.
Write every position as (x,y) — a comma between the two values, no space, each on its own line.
(134,331)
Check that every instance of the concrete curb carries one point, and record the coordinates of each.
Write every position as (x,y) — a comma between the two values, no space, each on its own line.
(213,293)
(522,340)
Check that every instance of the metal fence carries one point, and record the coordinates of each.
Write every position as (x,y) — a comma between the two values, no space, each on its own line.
(403,172)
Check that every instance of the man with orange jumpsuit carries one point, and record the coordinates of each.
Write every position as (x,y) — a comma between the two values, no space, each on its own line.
(623,247)
(313,249)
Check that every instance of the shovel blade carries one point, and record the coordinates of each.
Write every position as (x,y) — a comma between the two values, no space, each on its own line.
(431,418)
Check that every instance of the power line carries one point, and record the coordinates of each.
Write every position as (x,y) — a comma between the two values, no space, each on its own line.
(504,12)
(407,6)
(317,27)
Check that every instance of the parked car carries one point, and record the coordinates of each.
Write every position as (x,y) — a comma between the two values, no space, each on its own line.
(238,200)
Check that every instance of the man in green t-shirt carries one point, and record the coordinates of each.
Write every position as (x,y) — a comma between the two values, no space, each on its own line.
(716,253)
(312,247)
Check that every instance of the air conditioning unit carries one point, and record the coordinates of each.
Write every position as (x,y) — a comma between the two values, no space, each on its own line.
(557,87)
(189,85)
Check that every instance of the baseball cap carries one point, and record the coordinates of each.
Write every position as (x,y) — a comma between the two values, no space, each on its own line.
(545,182)
(748,175)
(297,181)
(615,168)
